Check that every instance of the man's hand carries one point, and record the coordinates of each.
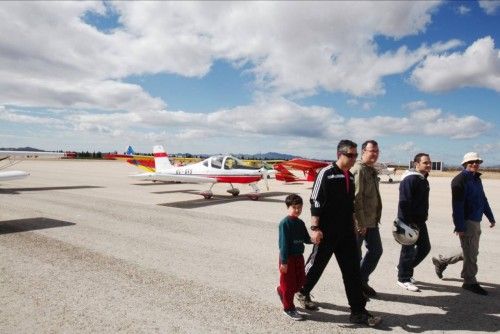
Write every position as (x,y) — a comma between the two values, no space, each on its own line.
(316,237)
(492,224)
(283,268)
(460,234)
(361,231)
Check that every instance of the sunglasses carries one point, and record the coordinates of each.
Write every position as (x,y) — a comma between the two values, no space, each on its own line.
(350,155)
(474,162)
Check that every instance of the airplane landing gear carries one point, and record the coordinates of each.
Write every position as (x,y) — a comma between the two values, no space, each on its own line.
(207,194)
(233,191)
(390,180)
(253,197)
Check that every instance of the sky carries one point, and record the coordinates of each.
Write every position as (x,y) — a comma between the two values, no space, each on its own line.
(252,77)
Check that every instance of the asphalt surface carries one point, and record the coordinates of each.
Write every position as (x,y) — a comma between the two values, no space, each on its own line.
(85,249)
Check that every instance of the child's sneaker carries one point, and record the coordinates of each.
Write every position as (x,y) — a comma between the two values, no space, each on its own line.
(294,315)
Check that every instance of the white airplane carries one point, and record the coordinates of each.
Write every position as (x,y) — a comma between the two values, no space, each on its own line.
(13,157)
(216,169)
(383,169)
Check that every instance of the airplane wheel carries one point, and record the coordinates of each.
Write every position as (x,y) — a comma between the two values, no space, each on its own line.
(390,180)
(253,197)
(207,196)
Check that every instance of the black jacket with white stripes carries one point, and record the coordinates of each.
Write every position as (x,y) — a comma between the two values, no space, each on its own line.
(331,202)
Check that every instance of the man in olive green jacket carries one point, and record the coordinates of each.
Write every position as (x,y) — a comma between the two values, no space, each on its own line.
(368,210)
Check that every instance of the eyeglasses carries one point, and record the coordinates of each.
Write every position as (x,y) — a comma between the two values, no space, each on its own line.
(474,162)
(350,155)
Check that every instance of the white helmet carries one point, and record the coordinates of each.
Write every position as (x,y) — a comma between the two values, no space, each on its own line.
(403,233)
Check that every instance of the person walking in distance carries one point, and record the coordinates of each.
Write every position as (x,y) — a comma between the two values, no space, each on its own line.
(469,203)
(413,209)
(332,209)
(367,212)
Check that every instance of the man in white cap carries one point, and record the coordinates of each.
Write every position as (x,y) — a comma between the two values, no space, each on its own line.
(469,203)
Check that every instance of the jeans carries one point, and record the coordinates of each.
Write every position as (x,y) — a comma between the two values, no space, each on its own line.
(373,245)
(411,256)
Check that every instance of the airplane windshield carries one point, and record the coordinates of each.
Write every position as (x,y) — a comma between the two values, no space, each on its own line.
(233,163)
(216,162)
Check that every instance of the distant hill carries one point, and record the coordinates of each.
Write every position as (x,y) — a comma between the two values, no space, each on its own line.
(268,156)
(20,149)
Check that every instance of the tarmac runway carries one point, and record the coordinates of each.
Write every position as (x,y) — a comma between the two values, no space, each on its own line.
(85,249)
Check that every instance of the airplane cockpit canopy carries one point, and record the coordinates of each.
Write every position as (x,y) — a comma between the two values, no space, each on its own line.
(228,162)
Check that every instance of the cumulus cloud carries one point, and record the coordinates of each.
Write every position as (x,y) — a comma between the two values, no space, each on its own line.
(489,6)
(463,10)
(50,56)
(477,66)
(427,121)
(413,105)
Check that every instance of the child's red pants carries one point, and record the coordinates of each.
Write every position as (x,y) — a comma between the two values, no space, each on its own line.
(292,281)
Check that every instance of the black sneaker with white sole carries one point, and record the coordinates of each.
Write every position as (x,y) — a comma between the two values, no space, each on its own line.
(294,315)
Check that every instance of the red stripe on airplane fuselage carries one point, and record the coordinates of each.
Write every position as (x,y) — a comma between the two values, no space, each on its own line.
(160,155)
(236,178)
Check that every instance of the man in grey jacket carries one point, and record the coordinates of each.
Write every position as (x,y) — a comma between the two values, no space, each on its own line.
(367,212)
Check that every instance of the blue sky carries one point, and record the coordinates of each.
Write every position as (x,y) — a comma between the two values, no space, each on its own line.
(250,77)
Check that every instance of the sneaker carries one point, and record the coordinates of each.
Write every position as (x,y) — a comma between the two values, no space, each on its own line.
(439,267)
(476,288)
(368,290)
(413,280)
(278,291)
(294,315)
(409,286)
(306,302)
(366,318)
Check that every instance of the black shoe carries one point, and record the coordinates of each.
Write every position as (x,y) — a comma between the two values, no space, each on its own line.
(364,317)
(306,302)
(476,288)
(368,291)
(439,267)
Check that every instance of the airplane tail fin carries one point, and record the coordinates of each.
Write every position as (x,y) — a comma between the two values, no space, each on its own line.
(130,150)
(283,174)
(161,159)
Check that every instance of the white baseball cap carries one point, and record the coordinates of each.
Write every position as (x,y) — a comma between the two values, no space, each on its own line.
(471,156)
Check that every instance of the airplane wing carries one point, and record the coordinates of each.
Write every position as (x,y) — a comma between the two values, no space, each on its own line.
(13,175)
(308,166)
(174,178)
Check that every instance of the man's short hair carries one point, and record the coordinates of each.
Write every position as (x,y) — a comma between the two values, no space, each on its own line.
(344,145)
(419,156)
(293,199)
(365,144)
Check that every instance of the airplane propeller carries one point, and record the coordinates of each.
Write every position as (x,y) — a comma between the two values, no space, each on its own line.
(265,175)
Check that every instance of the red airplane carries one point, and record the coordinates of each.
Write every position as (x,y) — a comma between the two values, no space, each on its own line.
(309,167)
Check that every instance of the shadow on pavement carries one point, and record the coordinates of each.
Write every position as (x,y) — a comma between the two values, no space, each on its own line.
(218,199)
(30,224)
(20,190)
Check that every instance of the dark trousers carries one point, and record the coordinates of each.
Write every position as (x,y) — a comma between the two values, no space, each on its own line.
(411,256)
(373,245)
(346,253)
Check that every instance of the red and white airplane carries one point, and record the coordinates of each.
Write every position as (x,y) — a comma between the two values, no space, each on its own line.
(311,167)
(216,169)
(10,158)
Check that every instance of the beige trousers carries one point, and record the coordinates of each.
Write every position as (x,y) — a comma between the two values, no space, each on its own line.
(469,252)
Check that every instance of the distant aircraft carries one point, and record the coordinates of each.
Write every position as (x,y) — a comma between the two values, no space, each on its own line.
(384,169)
(11,158)
(311,167)
(215,169)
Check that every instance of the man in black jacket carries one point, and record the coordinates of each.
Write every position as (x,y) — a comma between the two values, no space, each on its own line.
(332,209)
(413,209)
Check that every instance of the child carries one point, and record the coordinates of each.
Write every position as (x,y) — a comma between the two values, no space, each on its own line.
(292,236)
